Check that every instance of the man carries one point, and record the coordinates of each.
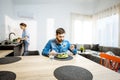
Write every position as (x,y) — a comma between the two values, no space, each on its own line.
(58,45)
(25,38)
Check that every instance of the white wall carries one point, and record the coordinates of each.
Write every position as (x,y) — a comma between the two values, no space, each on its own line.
(60,13)
(6,9)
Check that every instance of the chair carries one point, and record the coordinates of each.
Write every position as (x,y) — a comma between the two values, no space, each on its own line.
(31,53)
(110,61)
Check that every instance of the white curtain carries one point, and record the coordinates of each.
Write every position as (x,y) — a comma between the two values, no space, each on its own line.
(106,27)
(81,29)
(102,28)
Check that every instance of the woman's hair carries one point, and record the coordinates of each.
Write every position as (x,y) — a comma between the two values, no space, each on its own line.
(60,31)
(23,24)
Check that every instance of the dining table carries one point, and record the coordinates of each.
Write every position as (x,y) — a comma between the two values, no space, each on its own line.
(42,68)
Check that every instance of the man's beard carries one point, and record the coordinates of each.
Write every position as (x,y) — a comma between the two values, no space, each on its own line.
(59,41)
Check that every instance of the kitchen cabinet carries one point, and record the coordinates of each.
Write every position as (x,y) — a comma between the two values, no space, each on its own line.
(16,47)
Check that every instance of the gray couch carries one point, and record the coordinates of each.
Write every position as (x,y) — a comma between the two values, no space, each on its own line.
(97,48)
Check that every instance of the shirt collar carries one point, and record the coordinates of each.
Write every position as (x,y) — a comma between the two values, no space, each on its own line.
(59,43)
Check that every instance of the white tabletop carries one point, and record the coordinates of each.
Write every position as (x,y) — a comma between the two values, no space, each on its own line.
(42,68)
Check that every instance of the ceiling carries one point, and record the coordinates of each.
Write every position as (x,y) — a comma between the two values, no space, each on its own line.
(50,1)
(63,1)
(94,5)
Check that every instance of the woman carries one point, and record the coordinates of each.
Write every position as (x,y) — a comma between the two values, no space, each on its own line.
(25,38)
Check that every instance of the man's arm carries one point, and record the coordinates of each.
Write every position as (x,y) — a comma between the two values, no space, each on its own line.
(47,49)
(26,36)
(72,48)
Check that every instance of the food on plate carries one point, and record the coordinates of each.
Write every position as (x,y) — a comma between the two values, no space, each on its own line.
(62,55)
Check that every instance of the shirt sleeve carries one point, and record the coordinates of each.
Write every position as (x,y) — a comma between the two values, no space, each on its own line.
(47,49)
(27,34)
(74,51)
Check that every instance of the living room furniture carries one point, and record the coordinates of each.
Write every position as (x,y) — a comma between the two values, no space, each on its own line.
(110,61)
(92,51)
(31,53)
(99,48)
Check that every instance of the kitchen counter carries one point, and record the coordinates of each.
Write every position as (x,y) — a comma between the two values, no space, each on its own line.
(9,46)
(16,47)
(4,53)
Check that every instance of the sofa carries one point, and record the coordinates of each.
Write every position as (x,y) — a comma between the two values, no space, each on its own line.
(96,49)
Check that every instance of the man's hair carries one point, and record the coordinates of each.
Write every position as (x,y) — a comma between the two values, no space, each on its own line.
(60,31)
(23,24)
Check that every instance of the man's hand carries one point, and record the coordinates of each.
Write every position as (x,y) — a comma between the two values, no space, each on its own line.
(72,47)
(53,52)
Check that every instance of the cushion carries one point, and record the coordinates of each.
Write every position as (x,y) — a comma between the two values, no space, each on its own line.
(95,47)
(110,53)
(87,46)
(115,50)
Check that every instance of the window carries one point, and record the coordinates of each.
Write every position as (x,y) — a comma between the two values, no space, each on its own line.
(108,31)
(82,30)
